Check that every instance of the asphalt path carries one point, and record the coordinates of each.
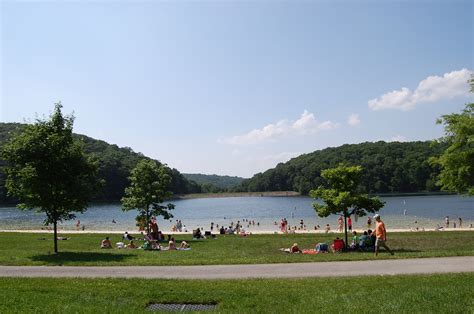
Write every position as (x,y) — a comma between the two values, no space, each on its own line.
(289,270)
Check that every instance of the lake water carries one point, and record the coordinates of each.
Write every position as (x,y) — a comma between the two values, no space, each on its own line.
(427,211)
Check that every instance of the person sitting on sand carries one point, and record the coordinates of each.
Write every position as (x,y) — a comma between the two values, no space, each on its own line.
(293,249)
(106,244)
(337,245)
(131,245)
(243,233)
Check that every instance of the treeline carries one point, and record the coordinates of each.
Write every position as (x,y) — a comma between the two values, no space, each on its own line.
(387,168)
(115,164)
(212,183)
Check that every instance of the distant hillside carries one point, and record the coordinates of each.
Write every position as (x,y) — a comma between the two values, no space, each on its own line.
(388,168)
(115,164)
(221,182)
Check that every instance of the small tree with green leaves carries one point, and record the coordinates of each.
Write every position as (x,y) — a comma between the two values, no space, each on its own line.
(149,182)
(341,194)
(47,170)
(457,161)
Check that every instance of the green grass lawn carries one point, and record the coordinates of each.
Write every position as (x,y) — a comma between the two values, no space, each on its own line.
(447,293)
(83,249)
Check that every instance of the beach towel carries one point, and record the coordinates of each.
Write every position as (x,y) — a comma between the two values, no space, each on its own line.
(310,251)
(183,249)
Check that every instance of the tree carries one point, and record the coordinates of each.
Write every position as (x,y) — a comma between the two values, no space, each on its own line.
(148,189)
(471,82)
(341,194)
(381,163)
(457,161)
(47,170)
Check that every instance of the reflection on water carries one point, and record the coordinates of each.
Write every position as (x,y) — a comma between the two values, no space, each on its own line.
(426,211)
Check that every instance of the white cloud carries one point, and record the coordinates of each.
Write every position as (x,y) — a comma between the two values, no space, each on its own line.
(353,119)
(398,138)
(432,89)
(306,124)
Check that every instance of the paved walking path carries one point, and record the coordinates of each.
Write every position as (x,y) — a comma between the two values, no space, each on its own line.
(292,270)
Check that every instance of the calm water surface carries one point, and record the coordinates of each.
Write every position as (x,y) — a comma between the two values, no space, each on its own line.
(427,211)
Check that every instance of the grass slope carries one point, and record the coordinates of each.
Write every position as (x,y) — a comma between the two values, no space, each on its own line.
(447,293)
(83,249)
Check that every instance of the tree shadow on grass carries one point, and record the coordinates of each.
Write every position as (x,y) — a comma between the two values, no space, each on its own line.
(67,257)
(382,250)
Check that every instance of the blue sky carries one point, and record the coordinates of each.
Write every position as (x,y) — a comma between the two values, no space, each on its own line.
(235,87)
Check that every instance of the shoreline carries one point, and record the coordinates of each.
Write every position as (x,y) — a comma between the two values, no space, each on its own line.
(399,230)
(237,194)
(294,193)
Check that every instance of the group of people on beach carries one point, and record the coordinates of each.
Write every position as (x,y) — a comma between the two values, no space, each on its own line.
(178,227)
(285,227)
(236,228)
(459,225)
(370,241)
(151,241)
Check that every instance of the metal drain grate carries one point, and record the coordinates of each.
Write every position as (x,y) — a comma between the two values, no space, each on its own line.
(181,307)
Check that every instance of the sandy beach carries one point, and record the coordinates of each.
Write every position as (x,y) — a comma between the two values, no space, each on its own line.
(252,232)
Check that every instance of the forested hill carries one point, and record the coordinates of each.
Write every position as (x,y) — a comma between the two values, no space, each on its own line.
(115,164)
(213,180)
(388,168)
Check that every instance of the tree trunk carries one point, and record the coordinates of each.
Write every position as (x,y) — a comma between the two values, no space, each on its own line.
(147,220)
(345,226)
(55,224)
